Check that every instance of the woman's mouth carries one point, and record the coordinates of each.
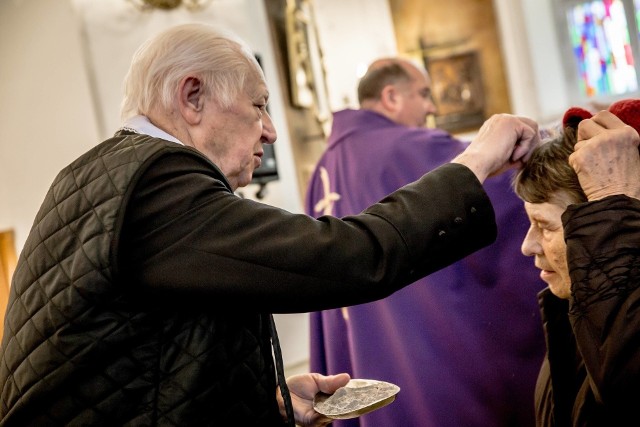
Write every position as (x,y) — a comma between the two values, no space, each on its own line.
(546,274)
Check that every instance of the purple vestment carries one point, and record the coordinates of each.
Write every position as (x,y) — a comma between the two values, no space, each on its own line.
(464,344)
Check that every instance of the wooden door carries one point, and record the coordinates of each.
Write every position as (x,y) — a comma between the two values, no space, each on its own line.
(8,259)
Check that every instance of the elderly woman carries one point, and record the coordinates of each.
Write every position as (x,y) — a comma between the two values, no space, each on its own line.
(590,310)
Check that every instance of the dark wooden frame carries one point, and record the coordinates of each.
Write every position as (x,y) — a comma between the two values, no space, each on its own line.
(457,90)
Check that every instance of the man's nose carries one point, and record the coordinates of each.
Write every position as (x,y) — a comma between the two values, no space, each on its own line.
(431,106)
(269,134)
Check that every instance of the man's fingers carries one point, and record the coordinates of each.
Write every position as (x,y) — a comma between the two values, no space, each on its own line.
(530,122)
(330,383)
(529,139)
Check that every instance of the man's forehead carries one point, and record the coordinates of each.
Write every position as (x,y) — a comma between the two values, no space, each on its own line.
(261,91)
(255,86)
(420,77)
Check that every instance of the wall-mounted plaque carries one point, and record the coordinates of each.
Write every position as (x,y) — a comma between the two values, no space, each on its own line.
(457,90)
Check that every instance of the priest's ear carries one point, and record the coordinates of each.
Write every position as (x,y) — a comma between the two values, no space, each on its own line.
(390,98)
(191,99)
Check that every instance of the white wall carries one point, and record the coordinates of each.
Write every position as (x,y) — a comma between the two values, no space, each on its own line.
(529,44)
(45,105)
(352,34)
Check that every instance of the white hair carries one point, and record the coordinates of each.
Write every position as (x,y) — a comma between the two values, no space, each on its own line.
(219,58)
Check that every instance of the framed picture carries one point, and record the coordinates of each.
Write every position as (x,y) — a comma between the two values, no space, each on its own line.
(456,86)
(307,80)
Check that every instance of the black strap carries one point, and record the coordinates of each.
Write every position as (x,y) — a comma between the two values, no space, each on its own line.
(284,390)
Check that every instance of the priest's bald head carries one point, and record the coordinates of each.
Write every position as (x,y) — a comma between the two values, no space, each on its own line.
(397,89)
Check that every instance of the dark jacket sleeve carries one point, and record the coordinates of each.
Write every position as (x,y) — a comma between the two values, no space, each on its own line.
(185,232)
(603,246)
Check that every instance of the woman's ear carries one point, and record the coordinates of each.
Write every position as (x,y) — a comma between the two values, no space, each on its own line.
(191,99)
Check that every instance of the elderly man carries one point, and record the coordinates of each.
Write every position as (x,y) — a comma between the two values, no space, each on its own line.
(143,293)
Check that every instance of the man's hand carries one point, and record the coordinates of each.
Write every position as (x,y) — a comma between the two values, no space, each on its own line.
(504,141)
(303,389)
(606,157)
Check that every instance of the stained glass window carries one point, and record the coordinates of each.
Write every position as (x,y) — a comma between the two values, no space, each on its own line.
(600,41)
(636,9)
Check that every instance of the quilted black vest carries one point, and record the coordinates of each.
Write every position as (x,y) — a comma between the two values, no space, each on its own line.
(82,348)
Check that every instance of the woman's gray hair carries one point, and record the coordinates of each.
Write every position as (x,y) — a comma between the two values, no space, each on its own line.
(548,171)
(219,58)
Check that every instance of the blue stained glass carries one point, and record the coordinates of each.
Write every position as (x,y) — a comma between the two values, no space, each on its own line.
(600,40)
(636,4)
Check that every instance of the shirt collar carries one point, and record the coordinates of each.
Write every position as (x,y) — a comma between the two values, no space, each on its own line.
(142,124)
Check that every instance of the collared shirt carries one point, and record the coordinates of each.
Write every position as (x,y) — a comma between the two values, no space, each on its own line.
(142,124)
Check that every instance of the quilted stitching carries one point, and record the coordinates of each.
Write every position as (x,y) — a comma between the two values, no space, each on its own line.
(70,328)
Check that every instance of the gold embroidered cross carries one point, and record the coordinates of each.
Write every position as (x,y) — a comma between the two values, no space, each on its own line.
(325,205)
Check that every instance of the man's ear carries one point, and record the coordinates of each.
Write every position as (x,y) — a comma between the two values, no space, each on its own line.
(390,98)
(191,99)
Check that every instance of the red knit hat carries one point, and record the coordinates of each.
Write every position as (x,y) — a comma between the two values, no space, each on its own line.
(627,110)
